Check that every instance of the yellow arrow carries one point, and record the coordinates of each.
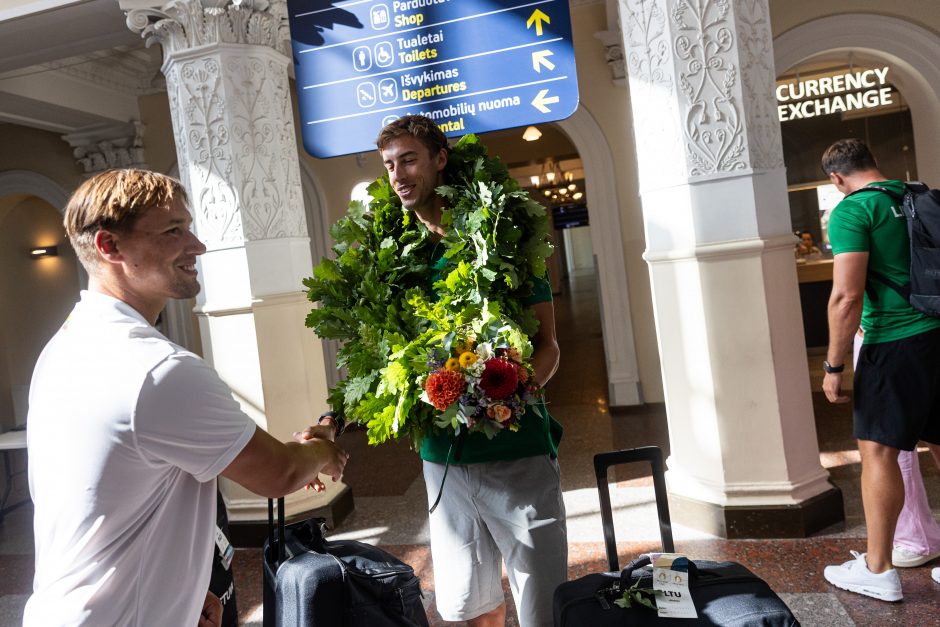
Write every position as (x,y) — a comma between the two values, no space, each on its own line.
(537,18)
(540,101)
(540,58)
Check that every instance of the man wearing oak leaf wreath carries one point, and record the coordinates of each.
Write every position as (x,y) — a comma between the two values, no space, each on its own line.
(503,496)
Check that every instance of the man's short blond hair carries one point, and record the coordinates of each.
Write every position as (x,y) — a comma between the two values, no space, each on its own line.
(113,200)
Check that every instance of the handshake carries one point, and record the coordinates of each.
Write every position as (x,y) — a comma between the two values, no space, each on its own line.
(322,437)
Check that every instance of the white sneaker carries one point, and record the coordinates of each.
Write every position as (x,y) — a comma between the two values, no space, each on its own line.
(902,557)
(935,573)
(854,576)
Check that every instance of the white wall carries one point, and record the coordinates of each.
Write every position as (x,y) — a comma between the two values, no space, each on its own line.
(37,294)
(579,253)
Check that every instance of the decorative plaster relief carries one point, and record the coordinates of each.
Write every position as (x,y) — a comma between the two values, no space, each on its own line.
(262,135)
(102,147)
(714,123)
(185,24)
(759,81)
(613,54)
(649,63)
(123,69)
(702,71)
(203,148)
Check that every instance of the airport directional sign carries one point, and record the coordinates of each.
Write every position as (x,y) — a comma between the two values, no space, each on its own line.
(471,65)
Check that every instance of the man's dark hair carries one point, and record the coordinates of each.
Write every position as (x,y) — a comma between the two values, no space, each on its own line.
(847,156)
(418,126)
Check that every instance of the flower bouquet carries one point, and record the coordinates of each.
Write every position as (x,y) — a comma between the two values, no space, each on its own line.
(483,385)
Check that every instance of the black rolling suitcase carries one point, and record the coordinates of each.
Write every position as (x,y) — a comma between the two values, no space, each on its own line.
(313,582)
(724,593)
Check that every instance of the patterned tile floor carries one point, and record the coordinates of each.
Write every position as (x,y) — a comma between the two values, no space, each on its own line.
(391,506)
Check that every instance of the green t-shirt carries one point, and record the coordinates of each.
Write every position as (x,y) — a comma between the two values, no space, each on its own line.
(871,221)
(537,435)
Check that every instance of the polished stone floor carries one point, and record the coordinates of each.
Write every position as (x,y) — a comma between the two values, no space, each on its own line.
(391,504)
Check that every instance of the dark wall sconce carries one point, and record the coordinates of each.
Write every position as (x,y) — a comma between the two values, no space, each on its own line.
(44,251)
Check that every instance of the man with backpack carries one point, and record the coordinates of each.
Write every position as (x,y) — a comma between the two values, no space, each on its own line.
(897,379)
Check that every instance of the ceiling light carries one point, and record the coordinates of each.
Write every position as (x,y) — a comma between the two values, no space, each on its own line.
(577,196)
(531,134)
(548,192)
(572,186)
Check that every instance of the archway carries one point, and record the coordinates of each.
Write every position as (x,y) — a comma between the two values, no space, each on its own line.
(619,346)
(37,293)
(905,46)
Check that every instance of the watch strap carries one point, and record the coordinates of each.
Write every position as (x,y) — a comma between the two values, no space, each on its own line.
(338,421)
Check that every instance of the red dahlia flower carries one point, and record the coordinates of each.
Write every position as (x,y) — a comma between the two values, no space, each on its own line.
(444,387)
(499,378)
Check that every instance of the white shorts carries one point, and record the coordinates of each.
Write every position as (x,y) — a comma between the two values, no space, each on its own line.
(512,509)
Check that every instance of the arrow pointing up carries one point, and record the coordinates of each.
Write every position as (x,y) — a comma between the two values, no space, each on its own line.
(540,58)
(537,18)
(540,101)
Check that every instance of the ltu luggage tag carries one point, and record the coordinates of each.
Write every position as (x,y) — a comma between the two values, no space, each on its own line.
(671,585)
(226,550)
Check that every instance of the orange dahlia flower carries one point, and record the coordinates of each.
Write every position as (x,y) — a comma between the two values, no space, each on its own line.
(444,387)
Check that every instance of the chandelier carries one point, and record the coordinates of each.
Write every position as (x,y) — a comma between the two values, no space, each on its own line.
(556,187)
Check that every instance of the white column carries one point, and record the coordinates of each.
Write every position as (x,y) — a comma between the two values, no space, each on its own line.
(744,456)
(226,69)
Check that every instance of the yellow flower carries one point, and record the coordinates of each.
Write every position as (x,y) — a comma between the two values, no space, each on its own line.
(452,364)
(467,359)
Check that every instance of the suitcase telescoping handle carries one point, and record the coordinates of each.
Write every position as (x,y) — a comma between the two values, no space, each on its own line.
(603,461)
(280,528)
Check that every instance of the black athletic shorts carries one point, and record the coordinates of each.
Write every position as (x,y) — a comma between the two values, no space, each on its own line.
(897,391)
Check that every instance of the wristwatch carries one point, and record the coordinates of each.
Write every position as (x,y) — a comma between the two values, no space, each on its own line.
(338,422)
(830,369)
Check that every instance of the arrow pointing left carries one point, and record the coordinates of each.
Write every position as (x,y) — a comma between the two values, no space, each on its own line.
(541,99)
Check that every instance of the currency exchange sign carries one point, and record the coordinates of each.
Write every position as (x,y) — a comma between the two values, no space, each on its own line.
(471,65)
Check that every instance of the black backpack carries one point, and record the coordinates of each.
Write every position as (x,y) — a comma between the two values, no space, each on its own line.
(921,207)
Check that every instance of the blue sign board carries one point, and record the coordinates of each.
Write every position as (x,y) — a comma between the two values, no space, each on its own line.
(470,65)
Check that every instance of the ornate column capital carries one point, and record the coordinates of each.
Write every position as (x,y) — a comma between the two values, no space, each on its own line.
(613,54)
(183,24)
(102,147)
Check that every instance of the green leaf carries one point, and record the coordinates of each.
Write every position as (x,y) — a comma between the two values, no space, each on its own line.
(357,388)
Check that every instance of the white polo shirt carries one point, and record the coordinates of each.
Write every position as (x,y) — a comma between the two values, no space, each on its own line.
(127,433)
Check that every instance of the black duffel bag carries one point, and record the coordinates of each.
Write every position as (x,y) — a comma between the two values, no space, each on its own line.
(310,581)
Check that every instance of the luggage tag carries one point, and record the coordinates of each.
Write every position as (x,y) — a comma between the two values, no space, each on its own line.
(671,585)
(226,550)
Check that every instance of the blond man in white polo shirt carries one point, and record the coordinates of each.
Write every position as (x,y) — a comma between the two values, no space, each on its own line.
(127,432)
